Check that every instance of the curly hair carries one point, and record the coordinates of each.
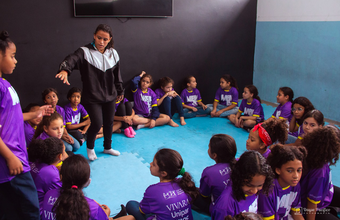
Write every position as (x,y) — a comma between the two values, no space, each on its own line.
(323,146)
(47,91)
(73,90)
(71,203)
(45,151)
(5,41)
(253,90)
(277,129)
(306,104)
(171,162)
(287,91)
(224,147)
(281,154)
(244,216)
(46,121)
(229,78)
(106,28)
(250,164)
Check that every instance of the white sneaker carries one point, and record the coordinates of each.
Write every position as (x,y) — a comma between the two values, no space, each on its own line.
(112,152)
(91,154)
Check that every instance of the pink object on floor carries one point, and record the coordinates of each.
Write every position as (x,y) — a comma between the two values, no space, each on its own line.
(127,133)
(132,131)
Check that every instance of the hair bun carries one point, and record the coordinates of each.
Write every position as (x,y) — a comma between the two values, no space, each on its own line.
(4,35)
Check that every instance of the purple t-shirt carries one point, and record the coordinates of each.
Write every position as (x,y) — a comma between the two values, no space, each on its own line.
(144,101)
(227,97)
(191,98)
(61,112)
(43,136)
(166,201)
(46,177)
(214,180)
(11,129)
(73,116)
(317,187)
(29,132)
(252,109)
(160,93)
(279,202)
(120,102)
(226,204)
(96,212)
(283,111)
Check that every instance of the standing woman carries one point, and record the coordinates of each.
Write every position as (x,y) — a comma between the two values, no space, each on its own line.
(98,64)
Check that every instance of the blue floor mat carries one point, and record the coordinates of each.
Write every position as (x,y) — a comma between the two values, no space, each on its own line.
(116,180)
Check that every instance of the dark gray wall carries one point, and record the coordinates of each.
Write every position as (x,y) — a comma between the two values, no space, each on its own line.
(204,38)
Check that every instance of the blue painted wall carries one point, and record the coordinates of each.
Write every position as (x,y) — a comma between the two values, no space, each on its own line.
(302,55)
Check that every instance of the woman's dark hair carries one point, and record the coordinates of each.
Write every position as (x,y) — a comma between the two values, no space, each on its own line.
(224,147)
(277,129)
(47,91)
(164,81)
(106,28)
(71,203)
(323,146)
(232,80)
(29,107)
(144,76)
(317,115)
(73,90)
(251,163)
(45,151)
(46,121)
(305,103)
(253,90)
(244,216)
(282,154)
(287,91)
(4,42)
(171,162)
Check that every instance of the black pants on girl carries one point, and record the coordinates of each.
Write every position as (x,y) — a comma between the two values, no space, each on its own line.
(122,110)
(101,114)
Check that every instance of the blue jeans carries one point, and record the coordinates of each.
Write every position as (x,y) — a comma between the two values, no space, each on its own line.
(188,113)
(132,208)
(72,147)
(220,107)
(171,106)
(19,198)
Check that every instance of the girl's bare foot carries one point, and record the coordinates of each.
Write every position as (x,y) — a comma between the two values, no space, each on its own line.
(173,124)
(182,121)
(99,136)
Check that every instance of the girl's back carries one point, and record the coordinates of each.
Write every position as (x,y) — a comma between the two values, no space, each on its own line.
(167,201)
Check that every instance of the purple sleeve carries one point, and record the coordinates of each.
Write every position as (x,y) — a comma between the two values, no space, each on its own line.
(83,111)
(274,114)
(61,111)
(235,96)
(199,98)
(205,188)
(68,115)
(218,95)
(96,212)
(286,111)
(297,202)
(266,205)
(154,98)
(183,96)
(145,204)
(159,93)
(316,186)
(257,109)
(243,103)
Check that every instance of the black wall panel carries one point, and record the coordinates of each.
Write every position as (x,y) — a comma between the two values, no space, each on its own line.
(204,38)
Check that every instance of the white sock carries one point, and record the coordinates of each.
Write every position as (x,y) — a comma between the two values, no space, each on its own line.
(140,126)
(112,152)
(91,154)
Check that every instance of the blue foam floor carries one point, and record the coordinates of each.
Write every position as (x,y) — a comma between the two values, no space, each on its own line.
(116,180)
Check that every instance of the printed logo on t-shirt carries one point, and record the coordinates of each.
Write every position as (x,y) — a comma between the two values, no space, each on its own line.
(193,99)
(146,99)
(179,209)
(169,195)
(227,99)
(49,215)
(14,95)
(286,201)
(76,119)
(278,113)
(52,200)
(248,111)
(252,207)
(225,171)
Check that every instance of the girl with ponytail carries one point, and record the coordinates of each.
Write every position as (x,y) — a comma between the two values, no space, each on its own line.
(250,107)
(171,197)
(69,202)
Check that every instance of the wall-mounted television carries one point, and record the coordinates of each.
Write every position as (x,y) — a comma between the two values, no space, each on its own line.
(123,8)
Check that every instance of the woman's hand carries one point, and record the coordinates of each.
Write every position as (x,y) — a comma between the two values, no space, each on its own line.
(63,75)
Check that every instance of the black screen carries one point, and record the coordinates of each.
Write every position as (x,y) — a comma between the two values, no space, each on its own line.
(123,8)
